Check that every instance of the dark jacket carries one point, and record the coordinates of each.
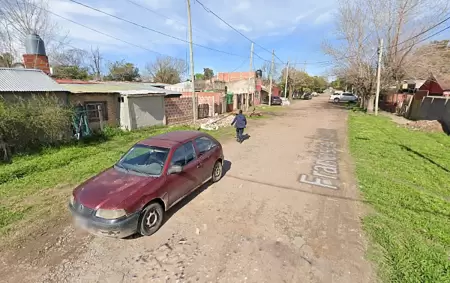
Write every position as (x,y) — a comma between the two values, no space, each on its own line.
(239,121)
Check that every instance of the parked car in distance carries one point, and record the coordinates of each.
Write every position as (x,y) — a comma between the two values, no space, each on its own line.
(307,96)
(156,173)
(343,97)
(275,100)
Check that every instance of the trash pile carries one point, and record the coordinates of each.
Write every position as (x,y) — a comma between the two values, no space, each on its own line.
(425,126)
(214,123)
(285,101)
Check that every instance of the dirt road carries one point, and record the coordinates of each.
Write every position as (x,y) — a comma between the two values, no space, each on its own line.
(287,210)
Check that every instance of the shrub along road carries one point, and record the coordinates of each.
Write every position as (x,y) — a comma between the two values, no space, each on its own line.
(287,210)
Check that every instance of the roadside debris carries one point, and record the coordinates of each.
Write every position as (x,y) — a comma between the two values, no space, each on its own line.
(213,124)
(425,126)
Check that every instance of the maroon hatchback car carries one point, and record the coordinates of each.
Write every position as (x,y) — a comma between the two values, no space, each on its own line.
(156,173)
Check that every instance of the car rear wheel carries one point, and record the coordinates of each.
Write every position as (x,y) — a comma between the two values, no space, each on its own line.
(336,100)
(217,172)
(151,219)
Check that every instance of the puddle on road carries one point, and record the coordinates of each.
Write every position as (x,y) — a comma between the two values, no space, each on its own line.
(325,169)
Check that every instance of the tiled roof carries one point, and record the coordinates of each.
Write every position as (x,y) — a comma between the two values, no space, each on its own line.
(27,80)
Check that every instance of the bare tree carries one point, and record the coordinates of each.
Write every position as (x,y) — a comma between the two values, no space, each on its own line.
(166,70)
(70,57)
(19,18)
(96,63)
(361,24)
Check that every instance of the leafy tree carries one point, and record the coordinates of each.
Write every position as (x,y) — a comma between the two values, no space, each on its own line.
(166,70)
(208,73)
(71,72)
(199,76)
(122,71)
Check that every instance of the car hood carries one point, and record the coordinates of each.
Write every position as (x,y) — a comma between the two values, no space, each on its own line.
(111,188)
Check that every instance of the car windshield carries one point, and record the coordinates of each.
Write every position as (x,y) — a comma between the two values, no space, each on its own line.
(144,159)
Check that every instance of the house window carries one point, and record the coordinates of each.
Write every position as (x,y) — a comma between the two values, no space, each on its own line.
(92,110)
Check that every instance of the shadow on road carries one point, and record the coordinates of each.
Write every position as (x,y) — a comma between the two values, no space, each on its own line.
(171,212)
(296,189)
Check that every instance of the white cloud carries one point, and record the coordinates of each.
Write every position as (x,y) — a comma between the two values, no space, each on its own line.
(253,18)
(324,18)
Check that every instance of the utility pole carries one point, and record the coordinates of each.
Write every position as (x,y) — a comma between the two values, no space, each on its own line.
(377,95)
(250,88)
(271,75)
(191,55)
(287,75)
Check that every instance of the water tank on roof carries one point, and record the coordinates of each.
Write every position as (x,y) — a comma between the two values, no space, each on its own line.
(34,44)
(258,73)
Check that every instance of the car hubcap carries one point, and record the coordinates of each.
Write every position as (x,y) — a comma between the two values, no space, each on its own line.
(217,171)
(152,218)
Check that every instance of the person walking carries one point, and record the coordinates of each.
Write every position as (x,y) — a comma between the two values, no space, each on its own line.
(239,122)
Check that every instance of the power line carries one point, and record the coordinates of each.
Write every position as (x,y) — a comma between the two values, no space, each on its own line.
(233,28)
(421,33)
(101,32)
(153,30)
(428,37)
(415,36)
(162,15)
(242,64)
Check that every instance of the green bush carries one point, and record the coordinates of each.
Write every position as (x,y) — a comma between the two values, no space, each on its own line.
(29,124)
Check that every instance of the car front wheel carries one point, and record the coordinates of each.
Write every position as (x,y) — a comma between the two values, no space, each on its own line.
(217,172)
(336,100)
(151,219)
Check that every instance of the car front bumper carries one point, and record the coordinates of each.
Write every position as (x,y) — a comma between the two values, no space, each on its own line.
(115,228)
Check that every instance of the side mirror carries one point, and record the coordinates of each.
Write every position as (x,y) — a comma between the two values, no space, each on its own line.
(174,169)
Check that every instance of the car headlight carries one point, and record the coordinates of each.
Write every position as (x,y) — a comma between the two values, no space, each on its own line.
(110,213)
(72,200)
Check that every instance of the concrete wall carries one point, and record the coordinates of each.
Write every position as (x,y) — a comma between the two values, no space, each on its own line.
(144,111)
(431,108)
(241,86)
(178,110)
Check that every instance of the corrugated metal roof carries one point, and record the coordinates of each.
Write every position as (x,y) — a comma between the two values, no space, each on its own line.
(118,87)
(27,80)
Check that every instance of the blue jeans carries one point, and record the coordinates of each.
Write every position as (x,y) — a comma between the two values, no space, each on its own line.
(239,132)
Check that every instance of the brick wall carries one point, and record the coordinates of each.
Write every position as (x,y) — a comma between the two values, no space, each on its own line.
(110,99)
(208,100)
(178,110)
(32,61)
(234,76)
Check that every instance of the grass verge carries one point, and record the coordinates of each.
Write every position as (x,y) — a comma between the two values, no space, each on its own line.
(405,176)
(38,185)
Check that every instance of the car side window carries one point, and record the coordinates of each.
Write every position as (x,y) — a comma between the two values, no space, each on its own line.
(190,152)
(204,144)
(183,155)
(179,157)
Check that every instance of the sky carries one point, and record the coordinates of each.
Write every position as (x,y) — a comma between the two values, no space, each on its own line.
(294,29)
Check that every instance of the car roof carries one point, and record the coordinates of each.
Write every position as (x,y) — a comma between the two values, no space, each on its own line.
(171,139)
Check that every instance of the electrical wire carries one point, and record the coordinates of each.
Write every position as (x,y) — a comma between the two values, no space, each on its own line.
(153,30)
(242,64)
(236,30)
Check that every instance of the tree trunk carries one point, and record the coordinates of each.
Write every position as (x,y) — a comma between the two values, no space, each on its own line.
(371,104)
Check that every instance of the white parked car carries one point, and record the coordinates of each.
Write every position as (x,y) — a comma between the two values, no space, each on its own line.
(343,97)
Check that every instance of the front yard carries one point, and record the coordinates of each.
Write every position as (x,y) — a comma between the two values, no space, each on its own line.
(405,177)
(35,188)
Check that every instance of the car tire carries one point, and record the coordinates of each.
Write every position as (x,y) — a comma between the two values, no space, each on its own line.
(217,172)
(336,100)
(151,219)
